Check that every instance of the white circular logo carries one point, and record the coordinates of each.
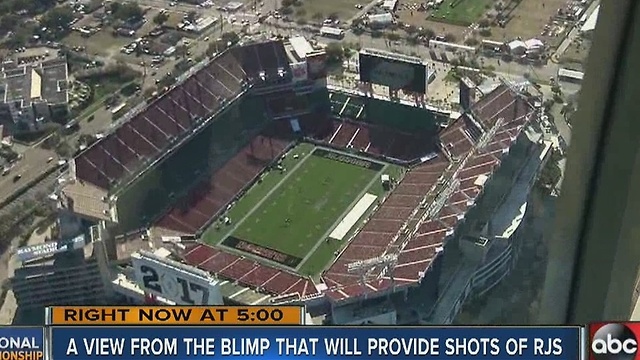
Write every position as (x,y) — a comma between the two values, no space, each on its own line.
(169,285)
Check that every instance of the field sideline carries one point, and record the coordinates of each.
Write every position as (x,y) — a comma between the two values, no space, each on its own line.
(287,217)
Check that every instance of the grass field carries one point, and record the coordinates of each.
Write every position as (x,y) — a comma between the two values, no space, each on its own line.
(316,11)
(293,212)
(461,12)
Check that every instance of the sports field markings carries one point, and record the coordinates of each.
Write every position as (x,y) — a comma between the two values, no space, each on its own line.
(339,219)
(268,194)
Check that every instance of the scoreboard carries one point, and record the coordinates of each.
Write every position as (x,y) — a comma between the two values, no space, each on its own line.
(396,71)
(173,281)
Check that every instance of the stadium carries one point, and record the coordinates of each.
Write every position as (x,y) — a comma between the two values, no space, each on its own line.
(286,190)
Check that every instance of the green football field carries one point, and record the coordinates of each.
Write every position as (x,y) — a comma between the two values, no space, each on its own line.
(289,214)
(461,12)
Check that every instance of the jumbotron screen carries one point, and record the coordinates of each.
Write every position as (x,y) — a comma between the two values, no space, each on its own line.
(396,74)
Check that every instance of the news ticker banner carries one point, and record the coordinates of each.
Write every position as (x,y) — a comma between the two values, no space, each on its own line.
(111,343)
(141,332)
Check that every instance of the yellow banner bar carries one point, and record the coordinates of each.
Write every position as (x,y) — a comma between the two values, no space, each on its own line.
(176,315)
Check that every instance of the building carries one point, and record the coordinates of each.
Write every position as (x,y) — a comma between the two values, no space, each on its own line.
(200,25)
(33,94)
(63,272)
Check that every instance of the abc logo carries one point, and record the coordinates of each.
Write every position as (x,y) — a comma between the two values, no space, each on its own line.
(614,342)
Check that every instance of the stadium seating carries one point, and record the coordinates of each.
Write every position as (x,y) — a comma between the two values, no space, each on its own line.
(161,124)
(224,184)
(378,233)
(247,272)
(263,58)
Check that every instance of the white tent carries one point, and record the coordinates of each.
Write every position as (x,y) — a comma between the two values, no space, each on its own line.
(381,19)
(517,46)
(533,44)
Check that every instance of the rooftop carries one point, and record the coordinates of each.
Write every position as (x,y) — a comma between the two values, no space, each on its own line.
(43,82)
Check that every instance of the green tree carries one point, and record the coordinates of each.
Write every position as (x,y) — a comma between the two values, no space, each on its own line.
(393,36)
(160,19)
(8,22)
(335,52)
(484,23)
(427,33)
(192,16)
(57,20)
(230,37)
(449,37)
(126,11)
(471,41)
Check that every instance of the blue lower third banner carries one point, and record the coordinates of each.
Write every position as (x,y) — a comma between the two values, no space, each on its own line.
(21,343)
(562,343)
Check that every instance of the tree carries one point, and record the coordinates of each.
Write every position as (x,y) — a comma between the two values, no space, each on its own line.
(484,23)
(485,32)
(8,22)
(427,33)
(449,37)
(57,20)
(286,11)
(335,52)
(393,36)
(287,3)
(410,29)
(412,40)
(192,16)
(160,19)
(471,41)
(230,37)
(126,11)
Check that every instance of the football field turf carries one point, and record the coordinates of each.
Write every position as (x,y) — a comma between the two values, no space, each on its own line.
(461,12)
(300,208)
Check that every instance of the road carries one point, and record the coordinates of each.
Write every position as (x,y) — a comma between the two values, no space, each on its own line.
(511,69)
(33,163)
